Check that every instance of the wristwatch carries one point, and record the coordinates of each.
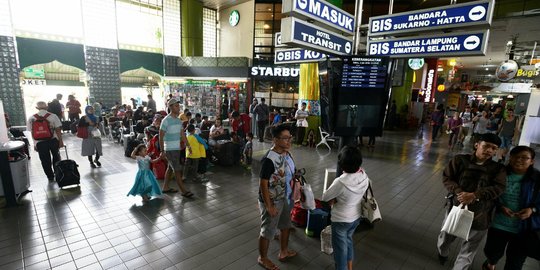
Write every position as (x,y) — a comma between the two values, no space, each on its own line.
(533,210)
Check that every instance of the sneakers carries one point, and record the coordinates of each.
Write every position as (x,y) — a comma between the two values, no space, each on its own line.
(93,165)
(97,163)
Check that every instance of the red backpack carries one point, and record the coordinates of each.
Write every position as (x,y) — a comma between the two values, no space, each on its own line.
(40,128)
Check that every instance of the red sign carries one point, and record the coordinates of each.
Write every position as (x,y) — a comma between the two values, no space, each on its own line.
(430,82)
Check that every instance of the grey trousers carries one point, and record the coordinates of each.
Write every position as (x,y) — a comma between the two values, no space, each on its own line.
(467,251)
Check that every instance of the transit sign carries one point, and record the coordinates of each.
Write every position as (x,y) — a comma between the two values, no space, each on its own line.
(466,43)
(320,11)
(303,34)
(453,16)
(289,56)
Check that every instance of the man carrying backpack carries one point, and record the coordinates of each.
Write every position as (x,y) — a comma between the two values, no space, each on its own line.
(55,106)
(476,181)
(46,130)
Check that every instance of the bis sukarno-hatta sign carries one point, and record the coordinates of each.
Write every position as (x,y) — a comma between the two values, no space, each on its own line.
(473,16)
(329,30)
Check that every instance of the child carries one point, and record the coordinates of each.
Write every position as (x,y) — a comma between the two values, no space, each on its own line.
(311,138)
(195,151)
(248,148)
(145,184)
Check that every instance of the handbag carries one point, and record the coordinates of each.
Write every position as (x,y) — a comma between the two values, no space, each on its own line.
(96,133)
(302,191)
(326,240)
(82,132)
(369,209)
(458,222)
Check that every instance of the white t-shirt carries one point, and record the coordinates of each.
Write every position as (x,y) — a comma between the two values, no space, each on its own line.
(54,122)
(301,118)
(466,117)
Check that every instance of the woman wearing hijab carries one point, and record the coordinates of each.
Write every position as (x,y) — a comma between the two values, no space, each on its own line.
(92,144)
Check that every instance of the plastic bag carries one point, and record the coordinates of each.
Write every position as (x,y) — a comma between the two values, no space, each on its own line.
(309,203)
(459,221)
(326,240)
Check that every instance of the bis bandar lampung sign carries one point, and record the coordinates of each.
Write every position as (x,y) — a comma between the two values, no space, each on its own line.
(464,43)
(309,36)
(478,13)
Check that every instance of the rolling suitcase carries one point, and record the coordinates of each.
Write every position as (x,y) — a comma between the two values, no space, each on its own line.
(66,126)
(66,172)
(317,220)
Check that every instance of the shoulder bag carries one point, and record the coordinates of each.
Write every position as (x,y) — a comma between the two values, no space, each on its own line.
(369,208)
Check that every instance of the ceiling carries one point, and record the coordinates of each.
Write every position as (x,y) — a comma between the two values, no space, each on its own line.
(526,30)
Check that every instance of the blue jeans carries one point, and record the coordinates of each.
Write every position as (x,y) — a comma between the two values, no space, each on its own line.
(342,242)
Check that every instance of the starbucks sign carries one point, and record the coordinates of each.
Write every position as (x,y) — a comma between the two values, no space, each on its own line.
(234,18)
(416,63)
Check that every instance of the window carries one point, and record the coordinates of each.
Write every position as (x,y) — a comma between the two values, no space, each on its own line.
(267,23)
(209,32)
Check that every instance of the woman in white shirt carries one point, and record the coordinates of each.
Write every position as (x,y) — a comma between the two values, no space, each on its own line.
(301,116)
(345,195)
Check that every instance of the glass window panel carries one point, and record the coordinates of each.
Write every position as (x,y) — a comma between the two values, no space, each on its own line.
(264,7)
(171,28)
(263,16)
(209,32)
(263,49)
(263,41)
(139,25)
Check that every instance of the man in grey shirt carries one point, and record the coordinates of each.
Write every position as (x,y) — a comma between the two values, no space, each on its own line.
(261,112)
(151,104)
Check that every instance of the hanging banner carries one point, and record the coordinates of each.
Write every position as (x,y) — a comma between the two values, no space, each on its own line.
(453,16)
(430,83)
(462,44)
(320,11)
(302,34)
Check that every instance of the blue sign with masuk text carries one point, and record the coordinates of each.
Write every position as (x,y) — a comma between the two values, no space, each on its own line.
(453,16)
(471,43)
(288,56)
(320,11)
(302,34)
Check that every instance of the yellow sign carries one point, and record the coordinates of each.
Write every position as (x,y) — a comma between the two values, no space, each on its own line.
(440,88)
(530,73)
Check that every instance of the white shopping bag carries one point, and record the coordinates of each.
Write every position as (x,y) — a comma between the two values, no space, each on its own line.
(309,202)
(458,222)
(326,240)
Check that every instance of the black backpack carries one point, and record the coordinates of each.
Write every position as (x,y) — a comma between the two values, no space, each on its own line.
(55,107)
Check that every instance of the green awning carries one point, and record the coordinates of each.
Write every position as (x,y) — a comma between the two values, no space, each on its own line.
(37,51)
(130,60)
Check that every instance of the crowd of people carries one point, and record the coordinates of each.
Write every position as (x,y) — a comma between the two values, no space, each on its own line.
(505,199)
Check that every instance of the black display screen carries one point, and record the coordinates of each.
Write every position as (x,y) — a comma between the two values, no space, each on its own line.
(362,96)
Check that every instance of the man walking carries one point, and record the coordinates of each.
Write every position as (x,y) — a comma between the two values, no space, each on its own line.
(172,139)
(252,115)
(55,107)
(46,130)
(274,196)
(476,181)
(261,112)
(151,105)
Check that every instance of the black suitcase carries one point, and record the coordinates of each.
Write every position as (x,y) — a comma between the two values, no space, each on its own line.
(227,154)
(73,127)
(66,172)
(66,126)
(131,144)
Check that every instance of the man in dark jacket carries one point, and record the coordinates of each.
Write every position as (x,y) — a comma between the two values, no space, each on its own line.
(261,112)
(476,181)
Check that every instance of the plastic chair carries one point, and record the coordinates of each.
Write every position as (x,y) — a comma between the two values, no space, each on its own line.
(325,138)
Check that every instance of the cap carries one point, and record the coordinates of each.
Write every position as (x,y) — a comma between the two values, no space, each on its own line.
(172,101)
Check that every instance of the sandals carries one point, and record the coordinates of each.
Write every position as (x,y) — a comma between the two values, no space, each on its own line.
(187,194)
(269,265)
(290,254)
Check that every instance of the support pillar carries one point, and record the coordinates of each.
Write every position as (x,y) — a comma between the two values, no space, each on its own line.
(10,88)
(192,28)
(308,92)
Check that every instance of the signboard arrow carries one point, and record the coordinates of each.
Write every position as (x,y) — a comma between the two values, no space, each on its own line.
(469,43)
(460,15)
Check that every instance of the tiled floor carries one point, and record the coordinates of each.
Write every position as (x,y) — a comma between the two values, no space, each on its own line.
(97,227)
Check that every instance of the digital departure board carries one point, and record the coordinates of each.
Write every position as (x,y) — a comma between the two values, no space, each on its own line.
(365,72)
(362,96)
